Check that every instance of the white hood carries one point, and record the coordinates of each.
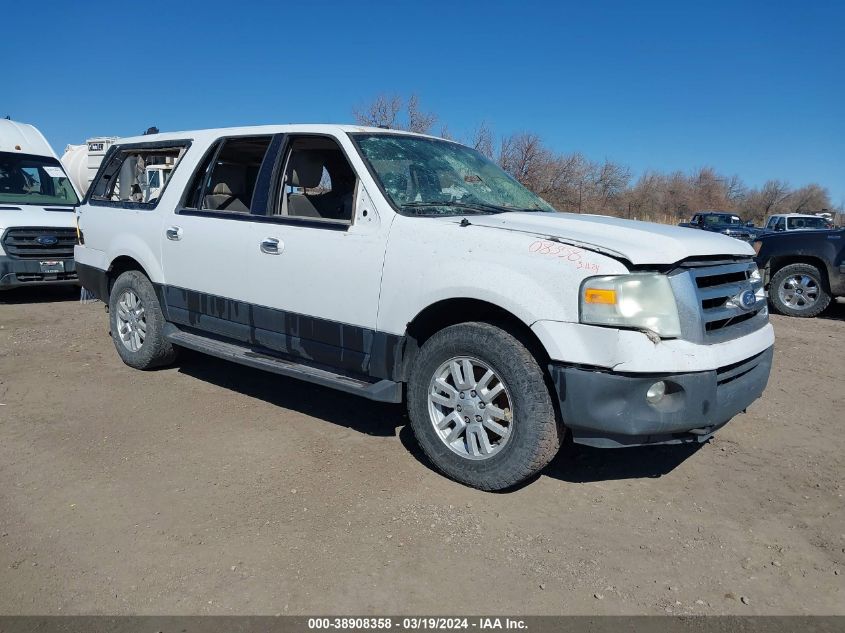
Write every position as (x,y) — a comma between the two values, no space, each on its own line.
(638,242)
(14,215)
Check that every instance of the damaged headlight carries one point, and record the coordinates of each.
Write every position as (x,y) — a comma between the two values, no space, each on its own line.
(643,301)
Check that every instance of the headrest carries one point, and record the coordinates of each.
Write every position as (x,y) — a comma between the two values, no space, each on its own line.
(228,180)
(306,169)
(221,189)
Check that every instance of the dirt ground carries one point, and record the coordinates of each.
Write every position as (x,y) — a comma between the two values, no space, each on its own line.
(211,488)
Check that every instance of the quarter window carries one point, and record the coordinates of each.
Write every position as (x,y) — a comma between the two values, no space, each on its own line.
(133,176)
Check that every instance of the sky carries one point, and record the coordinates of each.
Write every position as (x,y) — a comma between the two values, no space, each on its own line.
(750,88)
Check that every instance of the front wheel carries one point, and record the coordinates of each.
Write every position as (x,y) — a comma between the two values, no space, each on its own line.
(480,407)
(798,290)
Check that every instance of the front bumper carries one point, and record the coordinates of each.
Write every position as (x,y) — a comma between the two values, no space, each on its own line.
(16,273)
(609,409)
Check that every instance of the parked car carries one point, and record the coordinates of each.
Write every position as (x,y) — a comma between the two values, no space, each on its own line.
(721,222)
(400,267)
(37,221)
(796,222)
(803,270)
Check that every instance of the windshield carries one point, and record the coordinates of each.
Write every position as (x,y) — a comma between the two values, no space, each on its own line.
(31,179)
(426,176)
(808,223)
(722,218)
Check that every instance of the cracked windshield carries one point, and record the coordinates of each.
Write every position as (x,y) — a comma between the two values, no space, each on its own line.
(424,176)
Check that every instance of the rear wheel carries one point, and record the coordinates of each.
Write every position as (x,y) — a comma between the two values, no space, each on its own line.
(798,290)
(137,323)
(480,408)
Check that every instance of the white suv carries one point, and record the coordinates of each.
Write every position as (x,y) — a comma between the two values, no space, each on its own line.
(398,266)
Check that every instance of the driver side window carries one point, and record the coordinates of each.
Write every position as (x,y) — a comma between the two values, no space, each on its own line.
(318,182)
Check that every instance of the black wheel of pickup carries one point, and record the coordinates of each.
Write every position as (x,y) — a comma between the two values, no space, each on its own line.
(798,290)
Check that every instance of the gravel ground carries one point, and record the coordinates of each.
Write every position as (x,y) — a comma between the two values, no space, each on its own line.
(211,488)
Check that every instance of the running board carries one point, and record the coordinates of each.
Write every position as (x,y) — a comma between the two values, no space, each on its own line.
(381,391)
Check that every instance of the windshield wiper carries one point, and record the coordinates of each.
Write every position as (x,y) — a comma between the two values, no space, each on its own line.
(477,207)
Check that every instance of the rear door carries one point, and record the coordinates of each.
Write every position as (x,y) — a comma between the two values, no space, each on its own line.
(205,243)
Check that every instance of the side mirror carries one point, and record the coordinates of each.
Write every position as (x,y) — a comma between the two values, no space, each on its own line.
(749,223)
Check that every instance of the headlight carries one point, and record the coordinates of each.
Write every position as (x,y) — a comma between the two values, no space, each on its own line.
(639,300)
(2,252)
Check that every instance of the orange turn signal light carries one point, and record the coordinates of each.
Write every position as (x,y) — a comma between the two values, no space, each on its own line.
(600,295)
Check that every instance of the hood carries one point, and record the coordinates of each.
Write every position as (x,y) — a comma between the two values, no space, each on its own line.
(638,242)
(12,215)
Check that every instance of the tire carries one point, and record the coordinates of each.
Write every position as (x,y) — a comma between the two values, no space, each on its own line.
(533,436)
(143,345)
(798,290)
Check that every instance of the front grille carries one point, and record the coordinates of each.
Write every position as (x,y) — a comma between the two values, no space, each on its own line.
(709,299)
(22,243)
(739,235)
(719,288)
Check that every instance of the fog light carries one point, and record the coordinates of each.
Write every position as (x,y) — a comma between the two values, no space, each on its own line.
(656,392)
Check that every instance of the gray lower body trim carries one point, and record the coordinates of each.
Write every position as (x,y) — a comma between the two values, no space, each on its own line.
(608,409)
(346,348)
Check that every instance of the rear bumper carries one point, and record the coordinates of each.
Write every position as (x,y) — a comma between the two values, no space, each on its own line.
(16,273)
(608,409)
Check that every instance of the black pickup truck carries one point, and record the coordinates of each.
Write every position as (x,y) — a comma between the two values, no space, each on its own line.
(803,270)
(723,222)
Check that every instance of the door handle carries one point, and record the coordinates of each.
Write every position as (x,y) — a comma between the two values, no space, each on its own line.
(174,233)
(272,246)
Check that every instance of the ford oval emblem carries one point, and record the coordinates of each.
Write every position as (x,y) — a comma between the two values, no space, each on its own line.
(47,240)
(747,299)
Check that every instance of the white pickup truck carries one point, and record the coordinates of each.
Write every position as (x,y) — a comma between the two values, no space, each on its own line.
(37,221)
(399,267)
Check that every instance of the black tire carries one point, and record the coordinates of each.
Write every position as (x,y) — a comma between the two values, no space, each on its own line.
(155,350)
(808,308)
(535,433)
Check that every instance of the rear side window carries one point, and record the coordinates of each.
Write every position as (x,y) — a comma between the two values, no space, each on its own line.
(225,181)
(136,176)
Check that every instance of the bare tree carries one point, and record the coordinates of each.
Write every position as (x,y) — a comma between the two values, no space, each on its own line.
(383,112)
(768,200)
(522,155)
(811,198)
(482,139)
(392,112)
(418,121)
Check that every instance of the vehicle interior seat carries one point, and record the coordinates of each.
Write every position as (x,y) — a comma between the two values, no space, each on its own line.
(228,189)
(306,171)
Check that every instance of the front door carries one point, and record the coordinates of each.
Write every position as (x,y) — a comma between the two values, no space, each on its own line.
(316,262)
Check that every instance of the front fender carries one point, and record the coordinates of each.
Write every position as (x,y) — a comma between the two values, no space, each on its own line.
(433,259)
